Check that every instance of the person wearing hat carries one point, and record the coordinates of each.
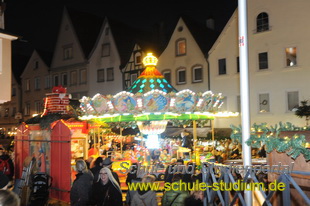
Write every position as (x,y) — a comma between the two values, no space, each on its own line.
(108,163)
(82,185)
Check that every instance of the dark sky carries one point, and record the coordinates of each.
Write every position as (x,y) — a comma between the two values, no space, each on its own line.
(39,19)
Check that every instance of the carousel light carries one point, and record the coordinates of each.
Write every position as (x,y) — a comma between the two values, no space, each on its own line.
(172,102)
(155,127)
(152,141)
(150,60)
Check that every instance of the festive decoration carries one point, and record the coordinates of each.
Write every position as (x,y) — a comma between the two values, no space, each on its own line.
(269,136)
(56,102)
(303,111)
(152,127)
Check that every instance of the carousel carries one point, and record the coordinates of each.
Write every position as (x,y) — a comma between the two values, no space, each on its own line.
(150,104)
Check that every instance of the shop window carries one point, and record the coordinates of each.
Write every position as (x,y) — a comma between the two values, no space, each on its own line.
(264,104)
(222,66)
(292,100)
(263,60)
(180,47)
(291,56)
(262,22)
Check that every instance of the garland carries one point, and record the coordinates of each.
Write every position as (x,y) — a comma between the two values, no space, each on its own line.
(261,134)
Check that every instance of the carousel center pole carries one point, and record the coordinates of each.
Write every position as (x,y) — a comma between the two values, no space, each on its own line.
(212,132)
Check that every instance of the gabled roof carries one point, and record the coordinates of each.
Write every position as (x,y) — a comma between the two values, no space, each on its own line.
(46,56)
(87,27)
(204,36)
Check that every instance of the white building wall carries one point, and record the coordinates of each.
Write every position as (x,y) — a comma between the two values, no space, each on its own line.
(194,56)
(97,61)
(288,22)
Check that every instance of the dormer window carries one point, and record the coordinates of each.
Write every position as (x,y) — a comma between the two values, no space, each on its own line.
(36,65)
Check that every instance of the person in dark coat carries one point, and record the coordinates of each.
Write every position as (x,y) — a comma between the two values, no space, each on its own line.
(106,191)
(96,169)
(108,163)
(196,198)
(82,185)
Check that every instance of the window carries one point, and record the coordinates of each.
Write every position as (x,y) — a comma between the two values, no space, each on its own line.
(73,78)
(238,104)
(167,75)
(105,50)
(262,22)
(27,109)
(13,112)
(100,75)
(27,84)
(64,79)
(292,100)
(181,47)
(264,105)
(197,74)
(13,92)
(222,66)
(37,107)
(181,76)
(263,60)
(110,74)
(56,80)
(138,59)
(47,82)
(133,78)
(238,64)
(83,76)
(68,52)
(291,56)
(37,83)
(6,112)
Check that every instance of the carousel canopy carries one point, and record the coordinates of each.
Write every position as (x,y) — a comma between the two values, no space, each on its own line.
(152,98)
(151,79)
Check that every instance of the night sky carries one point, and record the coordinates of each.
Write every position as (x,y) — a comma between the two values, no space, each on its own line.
(38,20)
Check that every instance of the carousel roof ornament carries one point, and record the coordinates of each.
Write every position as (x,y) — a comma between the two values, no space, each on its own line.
(151,79)
(152,98)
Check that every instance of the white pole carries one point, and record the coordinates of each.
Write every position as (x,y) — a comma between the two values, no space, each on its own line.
(244,89)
